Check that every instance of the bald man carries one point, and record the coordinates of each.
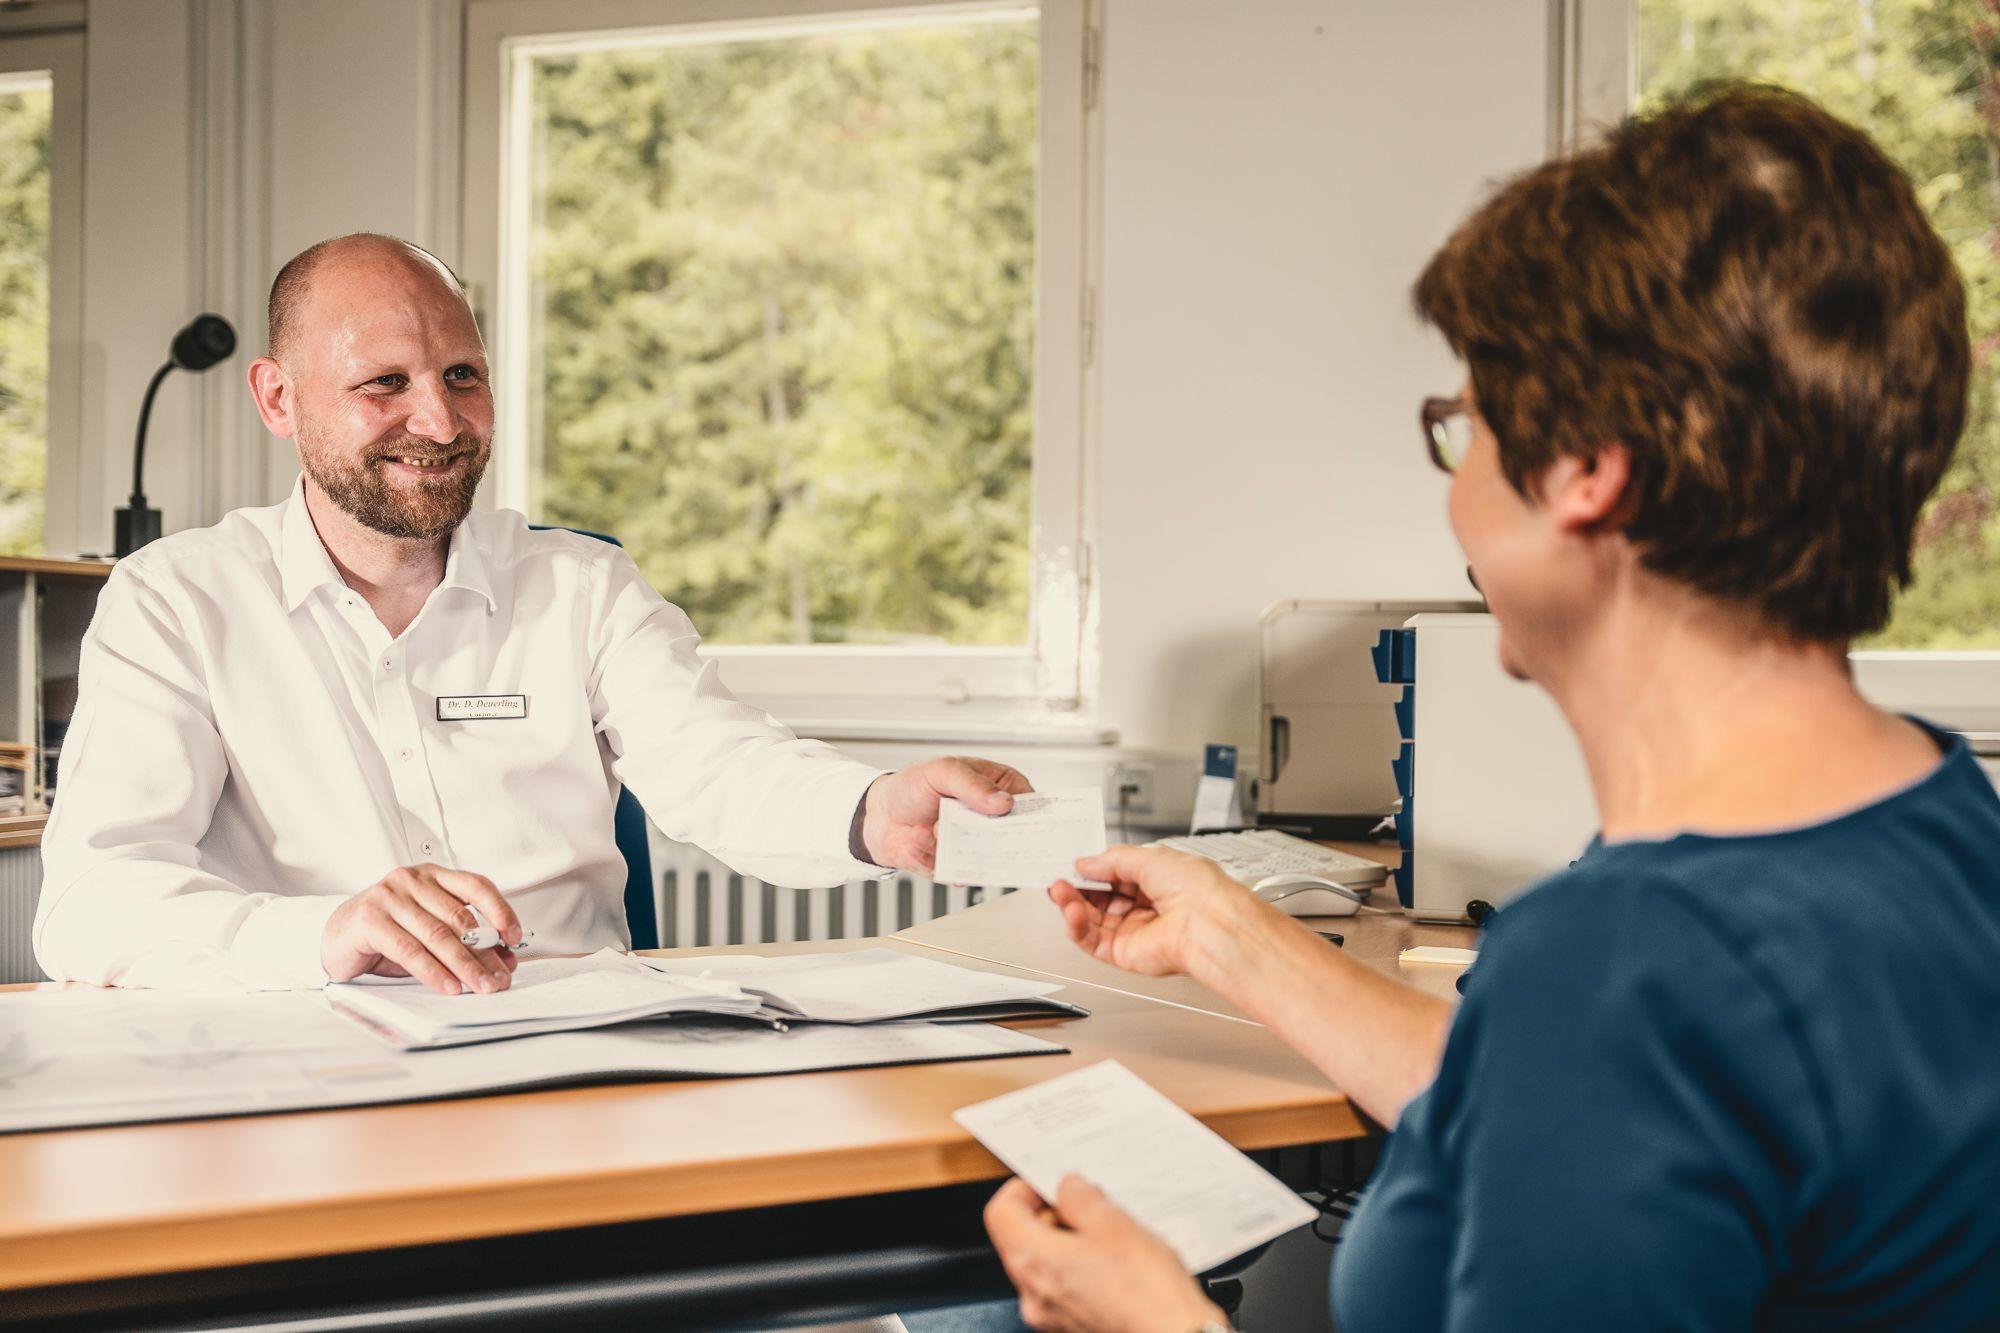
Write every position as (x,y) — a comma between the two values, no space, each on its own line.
(311,740)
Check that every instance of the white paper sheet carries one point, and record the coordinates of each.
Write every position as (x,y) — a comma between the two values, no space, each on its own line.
(88,1057)
(545,995)
(1030,847)
(863,986)
(1208,1201)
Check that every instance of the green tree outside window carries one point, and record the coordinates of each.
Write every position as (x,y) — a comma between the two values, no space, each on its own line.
(24,310)
(781,321)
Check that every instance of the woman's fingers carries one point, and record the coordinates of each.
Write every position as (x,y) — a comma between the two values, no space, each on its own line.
(1121,861)
(1147,873)
(1017,1219)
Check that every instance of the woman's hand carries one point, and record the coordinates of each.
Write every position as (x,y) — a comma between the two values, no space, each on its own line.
(1085,1266)
(1159,907)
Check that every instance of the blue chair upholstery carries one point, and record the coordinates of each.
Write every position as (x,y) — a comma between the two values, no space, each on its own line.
(628,826)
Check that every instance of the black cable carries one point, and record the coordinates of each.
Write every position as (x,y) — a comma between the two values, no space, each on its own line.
(1336,1205)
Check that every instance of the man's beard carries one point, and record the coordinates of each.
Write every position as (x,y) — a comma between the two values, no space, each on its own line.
(413,508)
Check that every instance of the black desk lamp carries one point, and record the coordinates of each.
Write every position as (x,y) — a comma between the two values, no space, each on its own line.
(206,340)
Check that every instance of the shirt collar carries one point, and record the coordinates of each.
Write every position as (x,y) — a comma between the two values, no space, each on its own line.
(302,558)
(306,567)
(465,565)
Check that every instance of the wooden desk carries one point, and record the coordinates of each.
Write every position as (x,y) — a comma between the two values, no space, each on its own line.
(200,1199)
(1024,930)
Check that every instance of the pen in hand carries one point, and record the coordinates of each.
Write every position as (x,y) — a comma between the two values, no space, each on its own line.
(483,936)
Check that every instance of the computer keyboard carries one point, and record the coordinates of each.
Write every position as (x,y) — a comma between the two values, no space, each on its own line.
(1253,854)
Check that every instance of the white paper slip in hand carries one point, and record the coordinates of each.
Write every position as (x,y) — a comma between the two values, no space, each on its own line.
(1176,1176)
(1030,847)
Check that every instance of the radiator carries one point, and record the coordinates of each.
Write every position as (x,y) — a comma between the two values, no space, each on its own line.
(20,885)
(701,902)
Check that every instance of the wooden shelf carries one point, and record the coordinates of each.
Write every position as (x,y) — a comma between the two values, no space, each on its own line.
(21,830)
(42,564)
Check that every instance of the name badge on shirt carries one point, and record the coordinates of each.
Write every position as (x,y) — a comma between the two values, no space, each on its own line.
(480,707)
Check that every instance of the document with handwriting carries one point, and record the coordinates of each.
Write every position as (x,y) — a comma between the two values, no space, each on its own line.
(1206,1200)
(1030,847)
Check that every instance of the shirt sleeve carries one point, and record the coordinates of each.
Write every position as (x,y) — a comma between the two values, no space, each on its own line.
(125,901)
(1629,1118)
(709,768)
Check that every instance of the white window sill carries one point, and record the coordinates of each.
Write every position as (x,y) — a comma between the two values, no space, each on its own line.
(949,732)
(916,719)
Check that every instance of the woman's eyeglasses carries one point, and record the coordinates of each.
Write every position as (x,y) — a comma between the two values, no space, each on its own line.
(1447,430)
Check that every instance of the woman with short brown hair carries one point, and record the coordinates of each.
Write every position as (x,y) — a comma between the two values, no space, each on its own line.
(1707,1077)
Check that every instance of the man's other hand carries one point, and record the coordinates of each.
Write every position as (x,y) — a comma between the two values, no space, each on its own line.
(900,812)
(408,925)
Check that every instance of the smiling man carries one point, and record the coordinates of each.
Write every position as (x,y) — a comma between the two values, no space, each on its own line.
(311,739)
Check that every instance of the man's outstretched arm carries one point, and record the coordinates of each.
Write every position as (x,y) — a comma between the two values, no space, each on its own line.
(727,777)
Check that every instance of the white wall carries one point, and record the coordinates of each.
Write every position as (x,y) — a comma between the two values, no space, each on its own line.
(1274,175)
(221,137)
(142,275)
(358,138)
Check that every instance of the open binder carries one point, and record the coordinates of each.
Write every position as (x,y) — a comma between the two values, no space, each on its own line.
(609,988)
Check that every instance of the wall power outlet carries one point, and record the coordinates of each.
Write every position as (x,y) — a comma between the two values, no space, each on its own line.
(1136,785)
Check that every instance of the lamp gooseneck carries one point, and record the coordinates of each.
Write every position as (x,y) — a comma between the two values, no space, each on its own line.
(201,343)
(139,446)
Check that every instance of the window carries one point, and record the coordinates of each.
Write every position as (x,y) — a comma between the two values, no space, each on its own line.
(1921,79)
(779,305)
(25,103)
(40,188)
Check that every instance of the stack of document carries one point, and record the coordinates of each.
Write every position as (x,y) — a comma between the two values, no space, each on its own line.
(870,986)
(548,995)
(83,1056)
(608,987)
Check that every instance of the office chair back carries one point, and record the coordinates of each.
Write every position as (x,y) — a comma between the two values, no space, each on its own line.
(628,826)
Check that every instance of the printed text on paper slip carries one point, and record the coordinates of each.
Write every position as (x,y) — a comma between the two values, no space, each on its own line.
(1030,847)
(1182,1182)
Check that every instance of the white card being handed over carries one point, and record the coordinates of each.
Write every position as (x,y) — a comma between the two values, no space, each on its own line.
(1030,847)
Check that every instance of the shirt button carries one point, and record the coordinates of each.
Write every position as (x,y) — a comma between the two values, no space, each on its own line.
(427,848)
(407,753)
(388,664)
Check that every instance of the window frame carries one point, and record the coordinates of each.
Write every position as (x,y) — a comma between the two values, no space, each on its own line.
(1041,686)
(1595,43)
(34,47)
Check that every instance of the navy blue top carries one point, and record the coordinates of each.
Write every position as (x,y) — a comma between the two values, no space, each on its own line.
(1716,1083)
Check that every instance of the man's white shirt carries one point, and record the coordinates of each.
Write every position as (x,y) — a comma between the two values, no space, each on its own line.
(250,748)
